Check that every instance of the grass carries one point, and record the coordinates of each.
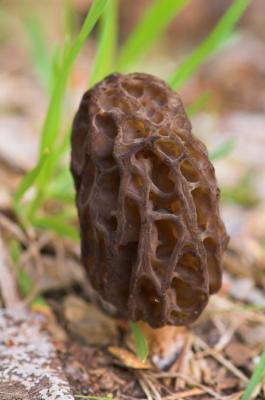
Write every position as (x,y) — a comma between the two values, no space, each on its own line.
(51,150)
(55,68)
(150,27)
(38,48)
(242,193)
(141,345)
(214,40)
(105,59)
(257,377)
(223,150)
(65,61)
(24,281)
(198,104)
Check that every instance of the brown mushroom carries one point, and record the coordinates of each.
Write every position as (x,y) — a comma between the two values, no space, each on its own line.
(151,234)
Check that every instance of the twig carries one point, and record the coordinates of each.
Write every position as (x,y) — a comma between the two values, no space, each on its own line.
(226,337)
(10,226)
(185,394)
(32,295)
(190,381)
(35,247)
(234,396)
(228,365)
(223,361)
(181,364)
(145,389)
(151,386)
(8,286)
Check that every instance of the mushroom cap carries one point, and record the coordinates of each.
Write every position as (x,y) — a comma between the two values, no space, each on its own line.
(147,199)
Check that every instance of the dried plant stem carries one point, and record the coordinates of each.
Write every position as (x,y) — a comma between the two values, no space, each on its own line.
(8,286)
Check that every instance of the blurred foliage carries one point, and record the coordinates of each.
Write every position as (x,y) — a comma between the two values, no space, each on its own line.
(150,27)
(23,279)
(107,43)
(198,104)
(242,193)
(214,40)
(54,70)
(223,150)
(39,48)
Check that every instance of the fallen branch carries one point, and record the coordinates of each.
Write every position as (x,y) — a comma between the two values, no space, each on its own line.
(30,369)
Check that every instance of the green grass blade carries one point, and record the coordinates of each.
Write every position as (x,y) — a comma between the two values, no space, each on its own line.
(210,44)
(39,49)
(95,12)
(70,19)
(57,225)
(44,180)
(23,280)
(104,63)
(257,377)
(6,21)
(198,104)
(242,193)
(141,345)
(223,150)
(63,63)
(26,285)
(29,180)
(52,120)
(58,151)
(62,189)
(55,66)
(148,30)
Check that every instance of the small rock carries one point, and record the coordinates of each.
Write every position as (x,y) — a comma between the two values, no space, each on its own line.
(88,323)
(240,288)
(238,353)
(253,335)
(243,289)
(256,297)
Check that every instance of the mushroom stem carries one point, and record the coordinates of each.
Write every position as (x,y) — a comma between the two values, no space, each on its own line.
(166,343)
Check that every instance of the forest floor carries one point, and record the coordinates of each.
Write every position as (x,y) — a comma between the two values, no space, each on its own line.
(215,357)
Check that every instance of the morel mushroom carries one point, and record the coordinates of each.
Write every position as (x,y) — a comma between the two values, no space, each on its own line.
(151,235)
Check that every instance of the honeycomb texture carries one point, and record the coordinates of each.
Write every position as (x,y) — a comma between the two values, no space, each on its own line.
(147,199)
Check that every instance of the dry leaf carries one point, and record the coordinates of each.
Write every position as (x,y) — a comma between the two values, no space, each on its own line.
(128,359)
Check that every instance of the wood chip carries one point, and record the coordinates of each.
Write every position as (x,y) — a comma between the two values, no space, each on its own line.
(30,368)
